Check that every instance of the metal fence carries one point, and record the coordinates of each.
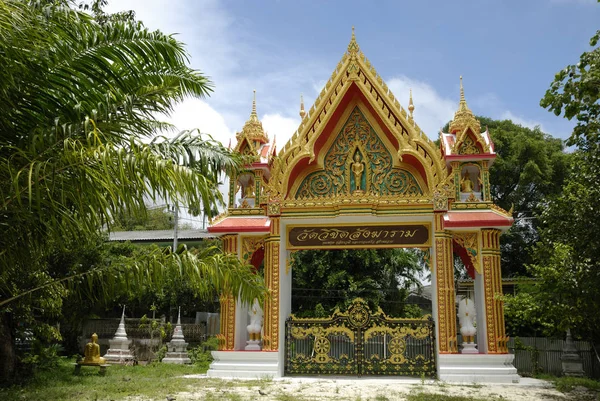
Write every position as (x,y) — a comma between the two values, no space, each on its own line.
(542,355)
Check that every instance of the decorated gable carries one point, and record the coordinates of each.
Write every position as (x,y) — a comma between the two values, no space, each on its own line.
(359,160)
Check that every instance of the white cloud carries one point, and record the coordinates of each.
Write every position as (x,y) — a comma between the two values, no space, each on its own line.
(196,113)
(281,127)
(224,49)
(432,111)
(508,115)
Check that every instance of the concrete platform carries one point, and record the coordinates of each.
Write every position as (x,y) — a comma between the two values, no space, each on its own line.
(477,368)
(244,364)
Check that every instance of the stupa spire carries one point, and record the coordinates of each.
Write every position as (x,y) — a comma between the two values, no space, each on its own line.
(177,347)
(118,351)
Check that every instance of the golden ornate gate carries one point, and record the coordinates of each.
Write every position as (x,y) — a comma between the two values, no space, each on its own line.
(358,342)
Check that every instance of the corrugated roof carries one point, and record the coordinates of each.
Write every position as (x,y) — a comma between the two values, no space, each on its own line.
(158,235)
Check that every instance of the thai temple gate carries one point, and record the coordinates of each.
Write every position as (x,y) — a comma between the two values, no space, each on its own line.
(360,173)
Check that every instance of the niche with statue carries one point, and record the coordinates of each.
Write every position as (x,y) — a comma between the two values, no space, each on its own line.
(470,183)
(245,191)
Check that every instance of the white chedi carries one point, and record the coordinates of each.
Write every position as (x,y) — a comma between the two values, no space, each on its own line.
(118,351)
(466,318)
(255,327)
(177,347)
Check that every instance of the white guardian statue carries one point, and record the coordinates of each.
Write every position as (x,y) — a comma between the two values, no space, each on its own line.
(255,327)
(466,319)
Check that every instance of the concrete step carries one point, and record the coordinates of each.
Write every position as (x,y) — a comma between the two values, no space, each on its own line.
(469,379)
(249,374)
(477,368)
(243,366)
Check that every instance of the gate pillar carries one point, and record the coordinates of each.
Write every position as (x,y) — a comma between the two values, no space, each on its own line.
(271,316)
(445,294)
(492,287)
(227,333)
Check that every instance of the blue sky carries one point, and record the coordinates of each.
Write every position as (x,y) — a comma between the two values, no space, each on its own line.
(506,51)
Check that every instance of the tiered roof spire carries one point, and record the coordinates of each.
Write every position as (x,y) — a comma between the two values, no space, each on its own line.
(464,117)
(253,128)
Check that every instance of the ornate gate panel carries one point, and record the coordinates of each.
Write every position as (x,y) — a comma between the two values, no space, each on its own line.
(358,342)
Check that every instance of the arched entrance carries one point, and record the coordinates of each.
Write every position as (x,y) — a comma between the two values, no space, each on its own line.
(359,173)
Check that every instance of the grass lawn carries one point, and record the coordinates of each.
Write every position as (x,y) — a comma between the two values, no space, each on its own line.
(566,384)
(119,382)
(157,381)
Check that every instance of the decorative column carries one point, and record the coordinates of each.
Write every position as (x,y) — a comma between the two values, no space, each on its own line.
(232,190)
(271,310)
(492,286)
(446,298)
(258,174)
(227,301)
(485,182)
(456,174)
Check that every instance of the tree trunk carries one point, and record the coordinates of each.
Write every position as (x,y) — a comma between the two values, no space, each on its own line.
(8,357)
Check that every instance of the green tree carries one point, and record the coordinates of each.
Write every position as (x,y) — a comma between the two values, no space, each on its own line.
(155,219)
(566,258)
(78,103)
(530,167)
(575,93)
(325,280)
(560,299)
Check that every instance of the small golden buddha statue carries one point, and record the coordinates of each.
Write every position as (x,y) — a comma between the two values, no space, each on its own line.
(466,184)
(92,352)
(357,169)
(249,189)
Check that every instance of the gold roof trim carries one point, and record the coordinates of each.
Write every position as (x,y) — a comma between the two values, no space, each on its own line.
(354,67)
(502,211)
(355,201)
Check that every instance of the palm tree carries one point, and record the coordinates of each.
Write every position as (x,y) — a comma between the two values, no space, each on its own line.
(79,100)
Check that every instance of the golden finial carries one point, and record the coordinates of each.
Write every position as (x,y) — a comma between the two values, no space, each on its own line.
(302,112)
(463,103)
(353,46)
(253,114)
(411,106)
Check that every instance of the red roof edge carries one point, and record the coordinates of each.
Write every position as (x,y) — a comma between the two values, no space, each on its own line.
(223,230)
(476,219)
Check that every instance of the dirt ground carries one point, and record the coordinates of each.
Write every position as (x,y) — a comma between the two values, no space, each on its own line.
(355,389)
